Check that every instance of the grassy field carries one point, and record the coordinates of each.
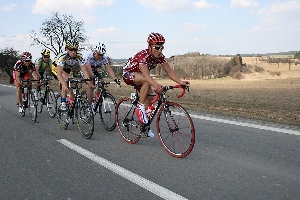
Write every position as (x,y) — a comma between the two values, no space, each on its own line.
(257,96)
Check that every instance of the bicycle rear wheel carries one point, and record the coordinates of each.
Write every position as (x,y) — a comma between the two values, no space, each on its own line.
(175,130)
(32,106)
(84,118)
(126,121)
(50,102)
(107,112)
(63,118)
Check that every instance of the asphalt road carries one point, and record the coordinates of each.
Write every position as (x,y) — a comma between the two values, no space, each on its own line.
(230,160)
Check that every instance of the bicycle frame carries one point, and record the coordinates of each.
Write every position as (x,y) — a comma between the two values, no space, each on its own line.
(76,87)
(46,85)
(161,101)
(101,85)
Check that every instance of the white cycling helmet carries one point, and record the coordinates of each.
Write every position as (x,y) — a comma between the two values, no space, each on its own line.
(100,48)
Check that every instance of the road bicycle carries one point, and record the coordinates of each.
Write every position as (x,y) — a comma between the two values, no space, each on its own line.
(78,112)
(174,125)
(28,99)
(104,104)
(46,97)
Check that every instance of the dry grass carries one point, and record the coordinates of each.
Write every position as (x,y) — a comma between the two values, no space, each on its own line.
(270,100)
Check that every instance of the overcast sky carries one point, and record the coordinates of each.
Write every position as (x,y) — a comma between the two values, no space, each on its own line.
(207,26)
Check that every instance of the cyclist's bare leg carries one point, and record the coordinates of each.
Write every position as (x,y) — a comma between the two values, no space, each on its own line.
(18,94)
(139,79)
(150,98)
(145,90)
(87,73)
(65,76)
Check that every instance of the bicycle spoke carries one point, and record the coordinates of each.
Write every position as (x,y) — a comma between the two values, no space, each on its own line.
(107,112)
(127,122)
(84,118)
(175,130)
(32,106)
(39,102)
(50,102)
(63,118)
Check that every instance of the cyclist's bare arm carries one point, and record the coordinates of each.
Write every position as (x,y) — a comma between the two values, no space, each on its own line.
(18,78)
(172,74)
(110,71)
(89,69)
(35,75)
(37,68)
(146,74)
(61,79)
(87,74)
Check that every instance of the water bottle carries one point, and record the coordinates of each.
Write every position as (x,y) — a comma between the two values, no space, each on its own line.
(149,111)
(68,100)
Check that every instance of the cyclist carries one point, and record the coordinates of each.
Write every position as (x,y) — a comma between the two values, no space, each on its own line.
(136,72)
(23,70)
(43,64)
(64,64)
(94,61)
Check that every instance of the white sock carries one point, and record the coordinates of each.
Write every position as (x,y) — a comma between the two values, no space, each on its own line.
(142,107)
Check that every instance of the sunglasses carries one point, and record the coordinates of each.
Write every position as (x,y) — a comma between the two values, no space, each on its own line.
(99,54)
(158,47)
(27,60)
(73,49)
(46,56)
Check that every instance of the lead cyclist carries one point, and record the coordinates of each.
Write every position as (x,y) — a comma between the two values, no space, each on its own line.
(136,72)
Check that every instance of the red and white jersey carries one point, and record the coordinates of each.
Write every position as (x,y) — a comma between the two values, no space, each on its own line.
(22,68)
(143,57)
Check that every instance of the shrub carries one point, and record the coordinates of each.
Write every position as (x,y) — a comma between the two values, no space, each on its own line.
(234,70)
(275,73)
(238,75)
(258,69)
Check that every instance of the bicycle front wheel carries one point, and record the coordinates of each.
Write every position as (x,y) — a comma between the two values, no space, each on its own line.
(126,121)
(84,118)
(39,102)
(107,112)
(50,102)
(32,106)
(175,130)
(63,117)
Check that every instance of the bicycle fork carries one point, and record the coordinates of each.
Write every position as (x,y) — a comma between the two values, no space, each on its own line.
(170,120)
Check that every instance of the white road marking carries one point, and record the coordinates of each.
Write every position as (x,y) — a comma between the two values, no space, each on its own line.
(268,128)
(138,180)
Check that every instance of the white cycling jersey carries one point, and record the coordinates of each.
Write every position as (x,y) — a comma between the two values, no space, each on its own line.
(96,63)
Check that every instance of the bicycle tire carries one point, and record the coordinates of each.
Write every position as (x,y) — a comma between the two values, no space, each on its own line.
(126,121)
(32,106)
(177,139)
(84,118)
(24,104)
(39,102)
(83,94)
(50,99)
(107,111)
(63,118)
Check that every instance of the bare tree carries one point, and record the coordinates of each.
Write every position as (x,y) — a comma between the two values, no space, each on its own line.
(57,30)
